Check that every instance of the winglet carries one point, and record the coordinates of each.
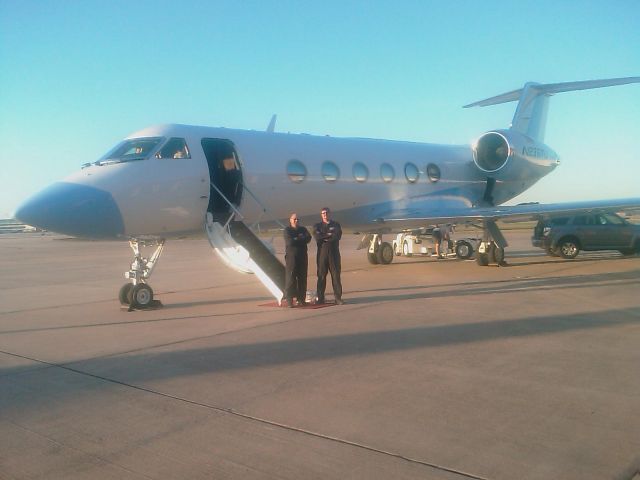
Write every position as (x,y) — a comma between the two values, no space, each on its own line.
(272,123)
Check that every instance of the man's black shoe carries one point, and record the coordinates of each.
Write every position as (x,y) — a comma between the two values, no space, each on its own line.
(339,301)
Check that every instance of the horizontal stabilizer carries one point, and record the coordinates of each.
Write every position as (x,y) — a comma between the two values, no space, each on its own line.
(551,88)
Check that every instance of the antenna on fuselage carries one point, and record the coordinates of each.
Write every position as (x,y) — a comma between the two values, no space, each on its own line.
(272,124)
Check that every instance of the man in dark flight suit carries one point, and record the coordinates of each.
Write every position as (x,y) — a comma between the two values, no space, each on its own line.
(327,234)
(296,238)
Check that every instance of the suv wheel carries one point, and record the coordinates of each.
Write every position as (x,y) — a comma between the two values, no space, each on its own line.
(568,248)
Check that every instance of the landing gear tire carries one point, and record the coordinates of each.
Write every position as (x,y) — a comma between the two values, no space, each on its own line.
(496,255)
(482,259)
(373,258)
(141,296)
(385,253)
(464,250)
(125,294)
(568,249)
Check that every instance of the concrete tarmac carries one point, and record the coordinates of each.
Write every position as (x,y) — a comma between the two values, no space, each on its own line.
(432,370)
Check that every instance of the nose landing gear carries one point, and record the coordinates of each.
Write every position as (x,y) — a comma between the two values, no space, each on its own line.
(138,294)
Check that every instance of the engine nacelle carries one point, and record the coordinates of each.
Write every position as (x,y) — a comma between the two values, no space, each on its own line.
(508,155)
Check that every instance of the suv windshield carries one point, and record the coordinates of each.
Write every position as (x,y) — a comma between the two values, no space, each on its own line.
(133,149)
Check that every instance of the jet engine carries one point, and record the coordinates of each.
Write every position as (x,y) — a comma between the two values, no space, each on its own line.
(506,154)
(510,156)
(491,152)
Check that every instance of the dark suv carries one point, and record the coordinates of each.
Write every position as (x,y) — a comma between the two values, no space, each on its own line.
(566,236)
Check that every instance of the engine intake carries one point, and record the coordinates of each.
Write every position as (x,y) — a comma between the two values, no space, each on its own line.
(491,152)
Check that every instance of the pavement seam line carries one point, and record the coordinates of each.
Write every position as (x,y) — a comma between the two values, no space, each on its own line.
(246,416)
(93,455)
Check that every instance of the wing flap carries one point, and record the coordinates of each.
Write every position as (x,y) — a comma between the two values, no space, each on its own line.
(420,213)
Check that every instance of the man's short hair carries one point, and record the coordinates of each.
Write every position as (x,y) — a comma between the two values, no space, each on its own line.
(325,209)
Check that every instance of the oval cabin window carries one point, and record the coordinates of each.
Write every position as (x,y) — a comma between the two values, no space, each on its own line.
(330,172)
(387,173)
(411,172)
(296,171)
(360,172)
(433,172)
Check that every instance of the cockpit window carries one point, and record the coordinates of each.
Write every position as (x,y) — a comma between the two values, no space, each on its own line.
(133,149)
(174,148)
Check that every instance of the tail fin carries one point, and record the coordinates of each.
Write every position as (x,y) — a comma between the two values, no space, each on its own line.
(533,99)
(272,124)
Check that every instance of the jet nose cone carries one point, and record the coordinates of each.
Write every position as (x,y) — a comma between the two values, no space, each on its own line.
(73,209)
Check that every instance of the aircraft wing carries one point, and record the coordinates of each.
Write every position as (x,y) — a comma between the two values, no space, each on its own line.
(423,212)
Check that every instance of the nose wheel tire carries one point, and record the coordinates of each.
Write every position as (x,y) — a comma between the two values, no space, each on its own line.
(140,296)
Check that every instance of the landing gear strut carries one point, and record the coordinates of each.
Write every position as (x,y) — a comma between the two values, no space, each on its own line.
(137,294)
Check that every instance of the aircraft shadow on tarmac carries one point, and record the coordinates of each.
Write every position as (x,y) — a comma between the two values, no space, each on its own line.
(497,286)
(133,368)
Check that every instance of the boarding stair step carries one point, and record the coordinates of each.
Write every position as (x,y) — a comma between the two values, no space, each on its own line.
(260,254)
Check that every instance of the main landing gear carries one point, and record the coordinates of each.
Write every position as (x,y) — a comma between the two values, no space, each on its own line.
(378,252)
(491,249)
(137,293)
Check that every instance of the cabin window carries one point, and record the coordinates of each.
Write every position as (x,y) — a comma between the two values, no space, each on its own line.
(330,172)
(174,148)
(360,172)
(132,149)
(433,172)
(296,171)
(387,173)
(411,172)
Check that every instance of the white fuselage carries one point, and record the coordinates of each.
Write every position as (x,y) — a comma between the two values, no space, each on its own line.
(165,197)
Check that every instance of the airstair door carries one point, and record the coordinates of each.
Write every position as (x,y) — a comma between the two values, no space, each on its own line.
(225,174)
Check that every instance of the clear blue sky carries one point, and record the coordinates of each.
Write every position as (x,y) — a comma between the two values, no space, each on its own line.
(77,76)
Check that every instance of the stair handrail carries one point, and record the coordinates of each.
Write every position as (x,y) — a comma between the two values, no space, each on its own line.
(236,211)
(259,202)
(233,207)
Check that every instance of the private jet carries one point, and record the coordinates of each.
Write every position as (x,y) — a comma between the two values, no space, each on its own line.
(170,180)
